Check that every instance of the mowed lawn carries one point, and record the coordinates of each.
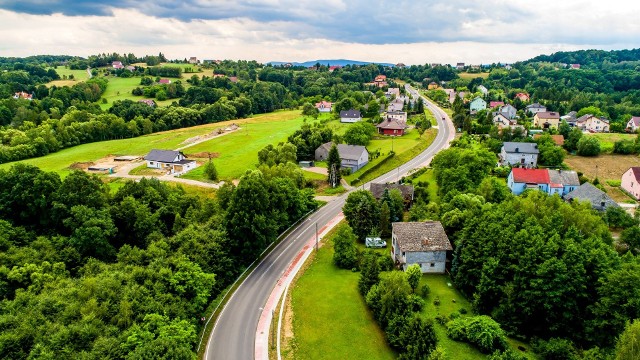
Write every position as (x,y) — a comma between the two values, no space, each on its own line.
(61,160)
(120,89)
(607,140)
(238,151)
(330,317)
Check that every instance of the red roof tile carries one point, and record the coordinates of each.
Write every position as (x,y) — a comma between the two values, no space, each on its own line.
(531,176)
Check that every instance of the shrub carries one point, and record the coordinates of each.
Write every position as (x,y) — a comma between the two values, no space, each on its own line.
(425,290)
(416,303)
(436,301)
(441,319)
(589,146)
(345,254)
(555,348)
(463,311)
(624,147)
(481,331)
(614,183)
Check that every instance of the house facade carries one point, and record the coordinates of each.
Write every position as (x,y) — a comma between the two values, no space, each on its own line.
(560,182)
(546,120)
(477,104)
(350,116)
(173,162)
(391,127)
(483,89)
(422,243)
(519,154)
(631,182)
(397,115)
(535,108)
(324,106)
(501,121)
(524,97)
(633,124)
(353,157)
(592,123)
(509,111)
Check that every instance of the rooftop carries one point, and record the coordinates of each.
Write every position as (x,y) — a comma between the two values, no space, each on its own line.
(588,192)
(421,236)
(378,190)
(530,176)
(521,147)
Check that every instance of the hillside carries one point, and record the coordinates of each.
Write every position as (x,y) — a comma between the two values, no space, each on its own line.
(335,62)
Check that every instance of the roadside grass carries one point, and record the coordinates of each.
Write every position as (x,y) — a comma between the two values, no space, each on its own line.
(451,301)
(238,151)
(471,76)
(61,160)
(430,117)
(330,317)
(429,176)
(405,147)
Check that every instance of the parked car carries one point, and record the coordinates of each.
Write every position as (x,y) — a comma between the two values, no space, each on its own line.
(375,242)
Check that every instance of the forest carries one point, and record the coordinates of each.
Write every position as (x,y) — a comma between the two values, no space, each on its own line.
(86,273)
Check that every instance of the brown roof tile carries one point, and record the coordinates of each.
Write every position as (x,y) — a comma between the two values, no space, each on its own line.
(421,236)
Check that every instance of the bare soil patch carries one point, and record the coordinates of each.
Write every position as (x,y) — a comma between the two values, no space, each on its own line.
(204,155)
(81,165)
(605,167)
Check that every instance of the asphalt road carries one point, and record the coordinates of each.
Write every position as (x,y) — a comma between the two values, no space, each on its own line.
(234,333)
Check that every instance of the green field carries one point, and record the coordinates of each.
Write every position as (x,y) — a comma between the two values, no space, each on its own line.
(429,176)
(471,76)
(607,140)
(78,76)
(283,122)
(330,318)
(120,89)
(238,151)
(405,147)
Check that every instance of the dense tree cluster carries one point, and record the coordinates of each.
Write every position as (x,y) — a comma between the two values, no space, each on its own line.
(85,273)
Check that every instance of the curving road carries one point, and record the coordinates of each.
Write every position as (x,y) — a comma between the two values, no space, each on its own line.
(234,333)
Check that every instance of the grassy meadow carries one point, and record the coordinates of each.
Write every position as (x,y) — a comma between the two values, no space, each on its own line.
(78,76)
(235,152)
(471,76)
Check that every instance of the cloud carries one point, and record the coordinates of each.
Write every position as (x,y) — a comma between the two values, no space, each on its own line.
(387,22)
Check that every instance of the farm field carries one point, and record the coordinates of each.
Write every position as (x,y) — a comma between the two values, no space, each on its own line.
(330,318)
(61,160)
(120,89)
(238,151)
(78,76)
(470,76)
(608,167)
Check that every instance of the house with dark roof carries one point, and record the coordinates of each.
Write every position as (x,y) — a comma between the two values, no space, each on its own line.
(552,182)
(353,157)
(422,243)
(377,190)
(570,118)
(631,182)
(633,124)
(519,154)
(350,116)
(173,162)
(391,127)
(592,123)
(535,108)
(509,111)
(587,192)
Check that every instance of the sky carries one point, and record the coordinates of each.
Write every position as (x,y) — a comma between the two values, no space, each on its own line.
(411,32)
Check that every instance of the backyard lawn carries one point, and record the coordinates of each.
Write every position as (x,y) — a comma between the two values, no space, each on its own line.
(607,140)
(330,318)
(260,129)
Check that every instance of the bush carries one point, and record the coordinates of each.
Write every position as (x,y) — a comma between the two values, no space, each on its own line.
(614,183)
(416,303)
(425,290)
(436,301)
(624,147)
(481,331)
(617,217)
(589,146)
(210,171)
(554,348)
(463,311)
(345,254)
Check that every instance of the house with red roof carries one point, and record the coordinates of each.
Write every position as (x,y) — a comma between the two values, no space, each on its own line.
(522,96)
(494,104)
(391,127)
(324,106)
(560,182)
(631,182)
(164,81)
(334,67)
(633,124)
(117,65)
(23,95)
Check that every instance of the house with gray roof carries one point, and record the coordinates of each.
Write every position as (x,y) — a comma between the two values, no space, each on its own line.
(588,192)
(535,108)
(171,161)
(519,154)
(509,111)
(350,116)
(353,157)
(422,243)
(566,180)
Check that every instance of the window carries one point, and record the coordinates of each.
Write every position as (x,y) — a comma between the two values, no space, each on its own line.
(151,163)
(433,264)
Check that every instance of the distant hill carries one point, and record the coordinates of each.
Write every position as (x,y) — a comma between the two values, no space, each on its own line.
(594,59)
(340,62)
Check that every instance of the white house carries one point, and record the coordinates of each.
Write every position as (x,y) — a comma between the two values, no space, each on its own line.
(174,162)
(324,106)
(422,243)
(483,89)
(509,111)
(477,104)
(350,116)
(519,154)
(633,124)
(353,157)
(535,108)
(501,121)
(592,123)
